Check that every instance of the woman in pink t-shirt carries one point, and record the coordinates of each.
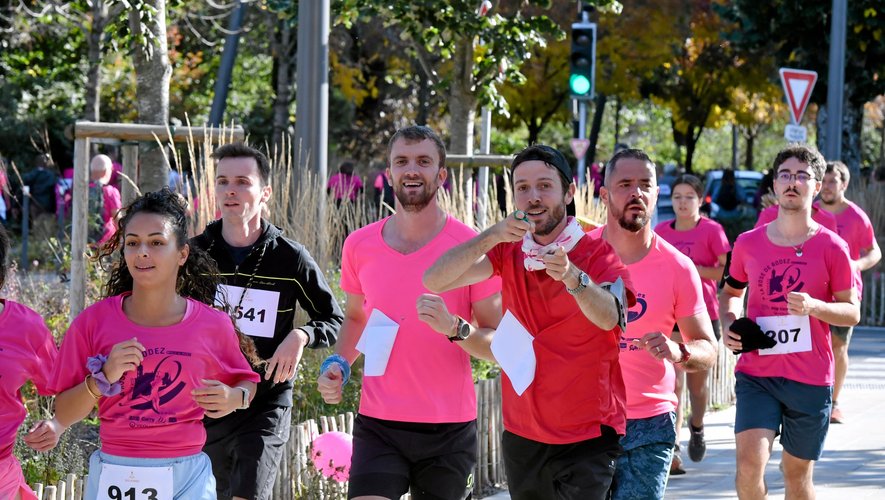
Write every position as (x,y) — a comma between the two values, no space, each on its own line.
(703,240)
(156,357)
(28,349)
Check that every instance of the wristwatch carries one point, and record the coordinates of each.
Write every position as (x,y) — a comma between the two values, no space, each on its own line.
(245,403)
(462,330)
(583,282)
(686,354)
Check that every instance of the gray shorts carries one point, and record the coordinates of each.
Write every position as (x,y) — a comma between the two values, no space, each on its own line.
(843,332)
(799,412)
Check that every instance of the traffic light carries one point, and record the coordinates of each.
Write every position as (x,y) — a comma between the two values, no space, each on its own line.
(582,61)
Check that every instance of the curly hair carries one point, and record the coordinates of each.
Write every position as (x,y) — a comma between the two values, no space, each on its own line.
(197,279)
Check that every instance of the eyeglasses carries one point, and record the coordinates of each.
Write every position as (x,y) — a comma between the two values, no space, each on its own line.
(801,177)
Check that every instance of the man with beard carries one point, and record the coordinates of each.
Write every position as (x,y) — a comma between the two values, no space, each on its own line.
(853,225)
(800,281)
(561,431)
(416,427)
(668,293)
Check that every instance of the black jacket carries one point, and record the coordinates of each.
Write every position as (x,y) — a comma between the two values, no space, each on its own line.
(288,268)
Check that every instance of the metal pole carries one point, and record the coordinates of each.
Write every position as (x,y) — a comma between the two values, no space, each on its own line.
(734,146)
(225,69)
(26,225)
(836,81)
(129,184)
(483,175)
(78,226)
(582,134)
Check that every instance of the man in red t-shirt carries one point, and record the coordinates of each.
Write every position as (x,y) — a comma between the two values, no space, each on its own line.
(568,292)
(853,225)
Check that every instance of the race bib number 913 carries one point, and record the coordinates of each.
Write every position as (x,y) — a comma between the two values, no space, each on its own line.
(122,482)
(792,334)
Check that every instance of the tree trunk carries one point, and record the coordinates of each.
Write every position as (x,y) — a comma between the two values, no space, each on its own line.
(281,47)
(598,111)
(462,102)
(95,45)
(152,73)
(748,160)
(618,105)
(423,93)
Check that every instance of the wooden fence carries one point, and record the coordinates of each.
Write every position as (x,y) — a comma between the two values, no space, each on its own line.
(297,479)
(872,307)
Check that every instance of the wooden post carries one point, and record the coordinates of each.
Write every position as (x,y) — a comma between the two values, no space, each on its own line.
(129,182)
(79,227)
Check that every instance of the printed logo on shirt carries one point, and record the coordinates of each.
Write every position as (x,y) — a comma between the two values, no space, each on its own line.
(638,310)
(684,247)
(780,278)
(626,343)
(151,390)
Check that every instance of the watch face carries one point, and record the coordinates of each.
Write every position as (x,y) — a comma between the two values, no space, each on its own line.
(463,329)
(585,279)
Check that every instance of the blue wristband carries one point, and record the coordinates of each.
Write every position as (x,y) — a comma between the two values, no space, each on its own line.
(337,359)
(94,364)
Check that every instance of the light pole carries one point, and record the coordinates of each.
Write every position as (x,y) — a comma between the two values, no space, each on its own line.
(836,80)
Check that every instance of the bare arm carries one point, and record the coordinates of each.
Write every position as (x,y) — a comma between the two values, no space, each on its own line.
(844,311)
(697,334)
(713,273)
(597,303)
(870,257)
(75,404)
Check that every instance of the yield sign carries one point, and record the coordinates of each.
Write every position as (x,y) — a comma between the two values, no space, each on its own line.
(579,147)
(798,84)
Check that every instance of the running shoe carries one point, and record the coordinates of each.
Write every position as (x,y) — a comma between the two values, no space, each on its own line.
(697,446)
(676,465)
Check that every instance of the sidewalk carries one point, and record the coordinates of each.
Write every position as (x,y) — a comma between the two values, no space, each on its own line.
(853,465)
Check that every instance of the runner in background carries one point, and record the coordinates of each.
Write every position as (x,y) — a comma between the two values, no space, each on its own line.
(703,241)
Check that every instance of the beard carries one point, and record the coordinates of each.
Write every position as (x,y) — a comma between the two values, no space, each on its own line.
(828,198)
(554,217)
(415,202)
(635,222)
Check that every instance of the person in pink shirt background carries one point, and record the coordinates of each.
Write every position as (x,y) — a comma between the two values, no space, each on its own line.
(28,352)
(853,226)
(156,322)
(669,293)
(100,170)
(703,241)
(799,279)
(345,184)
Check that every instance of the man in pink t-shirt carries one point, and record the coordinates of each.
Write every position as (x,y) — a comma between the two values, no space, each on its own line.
(818,214)
(800,280)
(669,293)
(100,170)
(345,184)
(853,225)
(416,427)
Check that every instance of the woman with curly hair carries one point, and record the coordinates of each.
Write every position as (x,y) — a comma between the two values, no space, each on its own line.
(156,357)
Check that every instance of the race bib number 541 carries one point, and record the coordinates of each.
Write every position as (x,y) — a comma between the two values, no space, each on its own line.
(122,482)
(792,333)
(256,314)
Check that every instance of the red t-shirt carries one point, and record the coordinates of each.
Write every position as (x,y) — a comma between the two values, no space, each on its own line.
(578,385)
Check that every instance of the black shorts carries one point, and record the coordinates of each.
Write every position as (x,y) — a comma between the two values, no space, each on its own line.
(576,471)
(433,461)
(245,448)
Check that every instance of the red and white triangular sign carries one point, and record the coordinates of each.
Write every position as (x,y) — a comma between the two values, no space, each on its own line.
(579,147)
(798,84)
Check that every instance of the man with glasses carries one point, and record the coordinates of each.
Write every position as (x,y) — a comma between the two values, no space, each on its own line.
(853,225)
(800,281)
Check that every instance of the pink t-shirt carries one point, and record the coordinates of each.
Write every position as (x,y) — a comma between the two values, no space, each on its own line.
(427,379)
(667,287)
(28,352)
(345,185)
(112,203)
(818,214)
(703,244)
(853,225)
(155,416)
(773,271)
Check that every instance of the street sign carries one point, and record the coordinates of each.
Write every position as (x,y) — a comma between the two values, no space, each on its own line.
(798,84)
(579,147)
(795,133)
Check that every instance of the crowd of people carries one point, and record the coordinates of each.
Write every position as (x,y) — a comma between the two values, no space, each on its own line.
(191,353)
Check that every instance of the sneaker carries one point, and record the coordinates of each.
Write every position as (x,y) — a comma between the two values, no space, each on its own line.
(676,465)
(697,446)
(836,416)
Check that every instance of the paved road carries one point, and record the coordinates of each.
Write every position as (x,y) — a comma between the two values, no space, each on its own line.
(853,465)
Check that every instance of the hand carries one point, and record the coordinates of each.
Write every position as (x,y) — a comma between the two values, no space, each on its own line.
(732,340)
(44,436)
(329,385)
(800,304)
(659,346)
(433,311)
(286,358)
(558,265)
(217,398)
(512,228)
(124,357)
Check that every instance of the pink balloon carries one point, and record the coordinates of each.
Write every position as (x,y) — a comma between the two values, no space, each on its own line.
(330,453)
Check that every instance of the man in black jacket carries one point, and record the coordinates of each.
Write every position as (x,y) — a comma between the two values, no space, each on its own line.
(266,276)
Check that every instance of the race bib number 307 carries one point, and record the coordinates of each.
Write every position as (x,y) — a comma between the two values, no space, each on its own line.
(792,333)
(256,313)
(123,482)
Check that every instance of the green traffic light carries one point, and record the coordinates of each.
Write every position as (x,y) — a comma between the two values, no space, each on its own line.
(579,84)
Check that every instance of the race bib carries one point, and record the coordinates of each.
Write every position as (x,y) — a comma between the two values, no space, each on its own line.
(256,313)
(792,333)
(124,482)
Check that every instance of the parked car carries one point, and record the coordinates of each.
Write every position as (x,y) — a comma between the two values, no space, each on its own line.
(748,182)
